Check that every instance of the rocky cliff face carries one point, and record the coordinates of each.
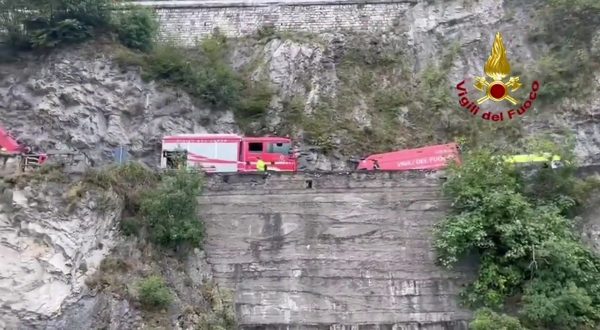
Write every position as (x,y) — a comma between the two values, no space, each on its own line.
(343,92)
(67,266)
(80,100)
(51,241)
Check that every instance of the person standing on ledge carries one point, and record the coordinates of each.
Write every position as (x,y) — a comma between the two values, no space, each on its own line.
(260,165)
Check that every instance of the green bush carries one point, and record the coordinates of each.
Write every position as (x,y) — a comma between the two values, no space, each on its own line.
(47,24)
(218,83)
(170,210)
(487,319)
(153,293)
(67,31)
(162,207)
(525,243)
(255,101)
(266,32)
(94,13)
(12,17)
(137,28)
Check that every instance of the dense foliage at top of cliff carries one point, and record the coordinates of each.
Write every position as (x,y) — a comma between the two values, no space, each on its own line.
(32,24)
(520,224)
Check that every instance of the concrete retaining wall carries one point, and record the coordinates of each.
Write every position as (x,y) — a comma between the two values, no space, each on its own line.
(351,250)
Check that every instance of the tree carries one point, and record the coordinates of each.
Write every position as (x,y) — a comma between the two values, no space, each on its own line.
(525,243)
(171,210)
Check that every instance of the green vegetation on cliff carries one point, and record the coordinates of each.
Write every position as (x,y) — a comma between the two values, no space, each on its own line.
(153,293)
(160,216)
(31,24)
(404,106)
(570,30)
(203,73)
(161,208)
(47,24)
(378,104)
(521,228)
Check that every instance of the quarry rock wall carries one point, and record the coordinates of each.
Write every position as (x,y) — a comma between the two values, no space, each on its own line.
(332,251)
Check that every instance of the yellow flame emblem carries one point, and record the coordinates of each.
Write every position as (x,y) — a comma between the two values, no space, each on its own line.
(497,68)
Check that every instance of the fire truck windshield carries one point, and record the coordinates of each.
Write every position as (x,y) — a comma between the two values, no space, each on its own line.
(280,148)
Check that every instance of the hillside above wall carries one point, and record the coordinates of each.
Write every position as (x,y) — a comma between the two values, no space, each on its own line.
(346,79)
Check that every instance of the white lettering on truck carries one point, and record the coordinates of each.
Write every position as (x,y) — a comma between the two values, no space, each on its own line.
(422,161)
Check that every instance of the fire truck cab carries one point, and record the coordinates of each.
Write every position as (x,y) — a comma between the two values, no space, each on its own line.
(221,153)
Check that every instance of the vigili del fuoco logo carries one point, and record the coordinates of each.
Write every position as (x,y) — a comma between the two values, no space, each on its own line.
(497,68)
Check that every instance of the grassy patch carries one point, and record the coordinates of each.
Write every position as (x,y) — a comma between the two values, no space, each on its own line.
(221,314)
(44,174)
(111,276)
(130,181)
(131,274)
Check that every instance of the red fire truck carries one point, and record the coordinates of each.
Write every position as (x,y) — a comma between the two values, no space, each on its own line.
(227,152)
(426,158)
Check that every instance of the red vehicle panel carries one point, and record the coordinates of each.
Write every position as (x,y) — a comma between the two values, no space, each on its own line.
(9,147)
(426,158)
(230,152)
(8,144)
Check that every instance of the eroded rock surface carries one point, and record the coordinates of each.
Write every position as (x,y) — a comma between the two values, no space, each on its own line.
(48,247)
(81,100)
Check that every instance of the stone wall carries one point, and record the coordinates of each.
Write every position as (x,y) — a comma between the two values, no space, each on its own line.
(329,251)
(186,21)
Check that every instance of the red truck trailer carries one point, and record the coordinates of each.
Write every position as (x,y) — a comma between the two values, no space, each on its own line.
(426,158)
(220,153)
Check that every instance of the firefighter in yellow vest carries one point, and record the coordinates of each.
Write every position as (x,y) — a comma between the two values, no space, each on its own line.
(260,165)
